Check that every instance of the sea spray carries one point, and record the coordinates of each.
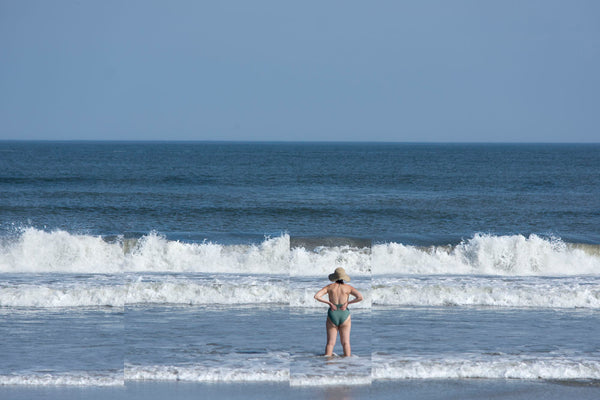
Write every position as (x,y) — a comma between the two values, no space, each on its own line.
(59,251)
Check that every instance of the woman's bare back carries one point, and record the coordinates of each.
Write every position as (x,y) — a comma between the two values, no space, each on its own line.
(338,293)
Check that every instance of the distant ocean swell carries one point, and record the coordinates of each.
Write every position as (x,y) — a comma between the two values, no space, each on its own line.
(38,251)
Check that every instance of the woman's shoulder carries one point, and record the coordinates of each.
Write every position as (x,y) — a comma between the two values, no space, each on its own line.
(352,289)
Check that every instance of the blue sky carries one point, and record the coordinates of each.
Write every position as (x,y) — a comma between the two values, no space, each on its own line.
(449,71)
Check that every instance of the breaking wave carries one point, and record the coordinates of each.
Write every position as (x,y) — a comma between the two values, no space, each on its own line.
(38,251)
(490,255)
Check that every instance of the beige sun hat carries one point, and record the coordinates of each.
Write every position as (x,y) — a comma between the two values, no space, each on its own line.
(339,274)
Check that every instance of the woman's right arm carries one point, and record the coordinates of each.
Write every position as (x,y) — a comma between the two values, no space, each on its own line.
(319,297)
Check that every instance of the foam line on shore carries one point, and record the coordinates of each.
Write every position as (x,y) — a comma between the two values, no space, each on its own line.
(501,367)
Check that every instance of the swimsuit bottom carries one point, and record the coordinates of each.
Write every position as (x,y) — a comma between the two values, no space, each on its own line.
(338,316)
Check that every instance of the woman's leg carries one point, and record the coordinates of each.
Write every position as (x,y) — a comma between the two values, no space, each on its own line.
(345,336)
(332,332)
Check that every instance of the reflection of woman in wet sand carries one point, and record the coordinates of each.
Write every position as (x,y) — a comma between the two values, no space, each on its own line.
(338,315)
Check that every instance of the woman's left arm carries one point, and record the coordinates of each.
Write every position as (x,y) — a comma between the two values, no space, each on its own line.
(357,296)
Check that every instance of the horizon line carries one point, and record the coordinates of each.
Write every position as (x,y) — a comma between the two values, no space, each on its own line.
(280,141)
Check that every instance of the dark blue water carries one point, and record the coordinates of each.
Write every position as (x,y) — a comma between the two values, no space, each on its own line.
(240,192)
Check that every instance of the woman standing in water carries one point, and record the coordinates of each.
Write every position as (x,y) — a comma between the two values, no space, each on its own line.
(338,315)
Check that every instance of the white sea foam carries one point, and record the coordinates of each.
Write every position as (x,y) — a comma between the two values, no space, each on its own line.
(488,255)
(48,296)
(540,292)
(66,379)
(213,293)
(487,291)
(329,380)
(68,291)
(182,292)
(330,371)
(500,367)
(383,367)
(200,373)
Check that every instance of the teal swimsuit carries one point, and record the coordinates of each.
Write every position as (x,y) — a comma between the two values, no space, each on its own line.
(338,316)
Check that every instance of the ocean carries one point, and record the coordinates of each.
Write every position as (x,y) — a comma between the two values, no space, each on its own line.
(178,269)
